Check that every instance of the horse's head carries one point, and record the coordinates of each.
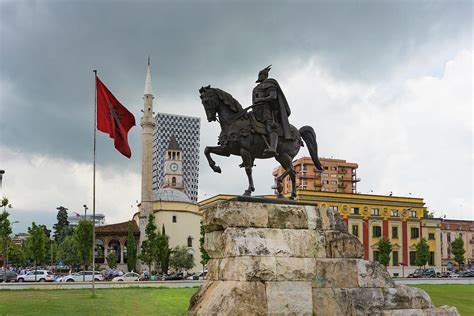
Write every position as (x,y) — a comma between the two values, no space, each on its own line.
(210,101)
(213,98)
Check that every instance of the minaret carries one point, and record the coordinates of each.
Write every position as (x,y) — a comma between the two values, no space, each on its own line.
(148,126)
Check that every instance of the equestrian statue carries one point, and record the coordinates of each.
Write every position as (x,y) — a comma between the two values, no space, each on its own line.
(260,131)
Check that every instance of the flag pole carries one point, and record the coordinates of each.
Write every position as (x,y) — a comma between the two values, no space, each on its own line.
(93,187)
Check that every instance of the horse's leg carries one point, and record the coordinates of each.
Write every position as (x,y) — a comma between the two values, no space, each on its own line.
(217,150)
(286,163)
(247,163)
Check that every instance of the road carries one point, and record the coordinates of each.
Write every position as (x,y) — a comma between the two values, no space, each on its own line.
(434,281)
(98,285)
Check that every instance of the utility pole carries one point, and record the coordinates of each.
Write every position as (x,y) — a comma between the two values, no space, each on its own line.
(85,211)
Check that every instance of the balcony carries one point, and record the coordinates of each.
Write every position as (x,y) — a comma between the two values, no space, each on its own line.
(342,171)
(341,185)
(355,179)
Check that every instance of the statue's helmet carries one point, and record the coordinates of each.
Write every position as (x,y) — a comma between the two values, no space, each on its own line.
(263,74)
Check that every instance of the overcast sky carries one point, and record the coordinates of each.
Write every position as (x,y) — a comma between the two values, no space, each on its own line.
(385,84)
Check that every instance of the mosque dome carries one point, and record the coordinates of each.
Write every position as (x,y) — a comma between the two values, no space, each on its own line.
(170,195)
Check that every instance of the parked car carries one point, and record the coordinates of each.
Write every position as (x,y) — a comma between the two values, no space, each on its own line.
(127,277)
(428,273)
(82,276)
(11,276)
(416,274)
(172,277)
(467,274)
(198,276)
(38,276)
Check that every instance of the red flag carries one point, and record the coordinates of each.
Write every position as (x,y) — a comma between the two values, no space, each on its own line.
(113,118)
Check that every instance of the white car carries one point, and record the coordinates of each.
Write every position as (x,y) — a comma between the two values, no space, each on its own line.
(82,276)
(38,276)
(127,277)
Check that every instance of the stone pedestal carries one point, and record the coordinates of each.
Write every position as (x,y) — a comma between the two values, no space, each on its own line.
(277,259)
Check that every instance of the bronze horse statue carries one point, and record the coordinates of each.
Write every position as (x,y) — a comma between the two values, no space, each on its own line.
(242,135)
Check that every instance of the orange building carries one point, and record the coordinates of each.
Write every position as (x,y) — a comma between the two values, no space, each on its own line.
(338,176)
(450,230)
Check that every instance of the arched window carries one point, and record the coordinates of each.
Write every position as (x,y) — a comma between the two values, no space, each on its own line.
(114,246)
(177,155)
(169,155)
(99,251)
(174,155)
(174,219)
(190,241)
(173,181)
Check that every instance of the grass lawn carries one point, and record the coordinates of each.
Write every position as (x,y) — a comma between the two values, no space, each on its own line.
(459,295)
(163,301)
(128,301)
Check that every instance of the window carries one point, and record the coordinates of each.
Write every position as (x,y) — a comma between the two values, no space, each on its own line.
(334,182)
(376,212)
(334,168)
(431,260)
(376,231)
(190,241)
(334,208)
(394,232)
(394,213)
(324,175)
(412,257)
(415,232)
(355,230)
(174,219)
(325,168)
(173,181)
(355,210)
(395,258)
(413,214)
(431,236)
(334,175)
(376,256)
(325,182)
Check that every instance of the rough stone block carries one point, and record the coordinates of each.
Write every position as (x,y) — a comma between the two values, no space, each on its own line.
(235,214)
(295,269)
(342,245)
(287,216)
(314,220)
(229,298)
(331,220)
(213,269)
(442,311)
(214,244)
(405,297)
(289,298)
(301,243)
(247,268)
(373,274)
(354,301)
(338,273)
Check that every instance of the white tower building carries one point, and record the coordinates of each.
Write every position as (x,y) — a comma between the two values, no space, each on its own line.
(148,126)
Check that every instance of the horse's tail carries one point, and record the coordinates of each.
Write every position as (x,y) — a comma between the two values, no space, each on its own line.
(309,137)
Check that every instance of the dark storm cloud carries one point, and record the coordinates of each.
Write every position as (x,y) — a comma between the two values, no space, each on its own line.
(49,48)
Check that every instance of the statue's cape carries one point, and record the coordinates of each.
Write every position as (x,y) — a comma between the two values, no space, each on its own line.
(284,107)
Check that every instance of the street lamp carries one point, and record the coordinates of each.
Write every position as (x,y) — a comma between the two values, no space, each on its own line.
(85,211)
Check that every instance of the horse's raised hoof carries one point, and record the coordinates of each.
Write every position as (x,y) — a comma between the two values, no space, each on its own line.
(217,169)
(247,193)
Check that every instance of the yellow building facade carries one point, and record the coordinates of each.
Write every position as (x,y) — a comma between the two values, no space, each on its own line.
(371,217)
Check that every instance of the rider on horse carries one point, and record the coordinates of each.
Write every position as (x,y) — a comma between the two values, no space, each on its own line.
(271,108)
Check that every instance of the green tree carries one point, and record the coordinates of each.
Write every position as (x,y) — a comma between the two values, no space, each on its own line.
(111,260)
(163,250)
(131,249)
(16,255)
(204,255)
(83,238)
(61,228)
(181,259)
(422,252)
(68,252)
(5,231)
(384,249)
(35,244)
(427,213)
(457,248)
(149,250)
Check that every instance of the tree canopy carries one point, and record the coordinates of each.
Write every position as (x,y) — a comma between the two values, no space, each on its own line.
(83,238)
(422,252)
(204,255)
(149,249)
(181,259)
(457,248)
(131,249)
(385,249)
(61,228)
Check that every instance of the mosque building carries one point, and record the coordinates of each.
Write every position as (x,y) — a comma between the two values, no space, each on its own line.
(170,166)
